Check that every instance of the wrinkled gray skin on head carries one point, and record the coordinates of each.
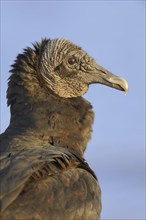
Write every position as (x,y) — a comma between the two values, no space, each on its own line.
(68,70)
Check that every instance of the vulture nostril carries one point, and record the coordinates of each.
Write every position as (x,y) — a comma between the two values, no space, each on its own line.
(101,71)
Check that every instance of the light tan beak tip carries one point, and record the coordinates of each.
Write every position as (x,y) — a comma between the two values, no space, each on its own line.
(121,82)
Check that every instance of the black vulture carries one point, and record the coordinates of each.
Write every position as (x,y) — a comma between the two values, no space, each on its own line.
(43,173)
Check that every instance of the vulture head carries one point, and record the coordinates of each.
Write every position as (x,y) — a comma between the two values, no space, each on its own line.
(68,70)
(60,67)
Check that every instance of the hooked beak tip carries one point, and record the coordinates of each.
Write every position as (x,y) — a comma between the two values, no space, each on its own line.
(120,82)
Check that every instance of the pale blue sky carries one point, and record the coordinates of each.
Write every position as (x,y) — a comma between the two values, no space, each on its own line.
(113,32)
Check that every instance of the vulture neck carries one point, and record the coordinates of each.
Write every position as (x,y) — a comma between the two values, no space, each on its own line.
(40,117)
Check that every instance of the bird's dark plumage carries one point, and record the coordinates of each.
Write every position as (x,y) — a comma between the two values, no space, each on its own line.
(43,173)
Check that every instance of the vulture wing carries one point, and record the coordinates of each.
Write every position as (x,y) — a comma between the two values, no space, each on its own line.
(35,180)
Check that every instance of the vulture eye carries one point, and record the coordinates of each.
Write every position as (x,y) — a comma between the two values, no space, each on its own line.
(72,60)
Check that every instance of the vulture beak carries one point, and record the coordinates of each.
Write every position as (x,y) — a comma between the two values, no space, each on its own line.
(105,77)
